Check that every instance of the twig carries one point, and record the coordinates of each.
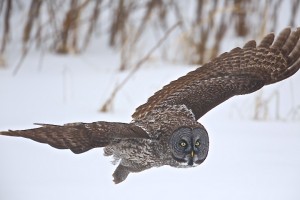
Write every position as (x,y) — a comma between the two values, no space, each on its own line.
(6,29)
(20,62)
(108,102)
(92,23)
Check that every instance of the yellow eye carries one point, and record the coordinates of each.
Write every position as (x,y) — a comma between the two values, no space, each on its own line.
(182,143)
(197,143)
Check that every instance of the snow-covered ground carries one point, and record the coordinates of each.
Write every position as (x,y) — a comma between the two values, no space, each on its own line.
(247,159)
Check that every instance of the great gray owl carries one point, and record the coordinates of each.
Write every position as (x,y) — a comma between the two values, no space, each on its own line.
(164,130)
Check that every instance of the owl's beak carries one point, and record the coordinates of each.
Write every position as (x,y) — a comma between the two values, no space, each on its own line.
(191,159)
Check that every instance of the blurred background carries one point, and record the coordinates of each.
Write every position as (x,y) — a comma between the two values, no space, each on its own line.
(205,27)
(63,61)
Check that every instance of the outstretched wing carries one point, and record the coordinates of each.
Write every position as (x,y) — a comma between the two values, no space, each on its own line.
(241,71)
(80,137)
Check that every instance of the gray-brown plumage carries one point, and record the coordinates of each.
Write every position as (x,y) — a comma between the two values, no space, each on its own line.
(164,130)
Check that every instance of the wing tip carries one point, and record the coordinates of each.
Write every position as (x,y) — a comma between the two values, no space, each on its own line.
(10,133)
(3,132)
(250,44)
(281,38)
(43,124)
(267,40)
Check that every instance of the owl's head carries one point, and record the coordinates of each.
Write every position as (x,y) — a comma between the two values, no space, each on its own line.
(189,145)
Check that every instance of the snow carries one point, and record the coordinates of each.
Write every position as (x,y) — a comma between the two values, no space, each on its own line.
(247,159)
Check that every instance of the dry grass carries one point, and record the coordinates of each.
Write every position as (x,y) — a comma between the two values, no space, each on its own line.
(205,33)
